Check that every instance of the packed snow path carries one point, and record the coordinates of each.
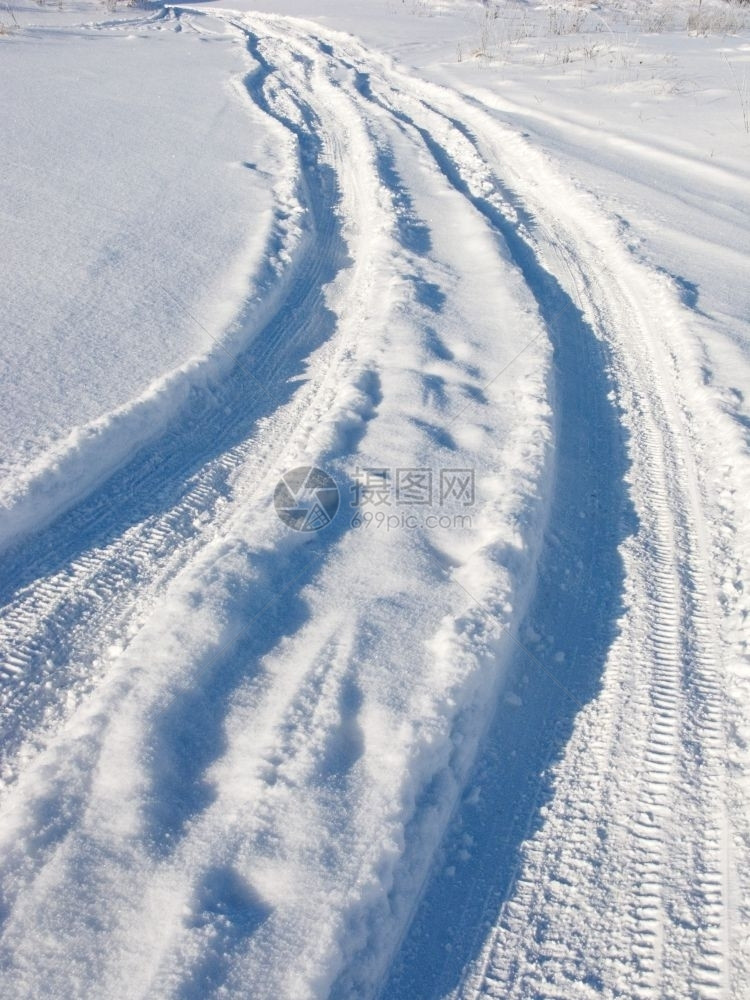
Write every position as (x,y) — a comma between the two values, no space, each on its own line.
(484,758)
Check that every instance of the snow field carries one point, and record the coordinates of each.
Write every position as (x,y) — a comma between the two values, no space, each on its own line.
(502,758)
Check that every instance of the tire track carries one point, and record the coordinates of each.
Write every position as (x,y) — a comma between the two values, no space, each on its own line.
(677,870)
(614,864)
(174,495)
(676,873)
(254,751)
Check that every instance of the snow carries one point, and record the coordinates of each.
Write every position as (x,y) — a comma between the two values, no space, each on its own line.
(485,733)
(138,214)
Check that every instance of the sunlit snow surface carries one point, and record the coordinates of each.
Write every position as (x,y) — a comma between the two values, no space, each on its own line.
(136,191)
(480,729)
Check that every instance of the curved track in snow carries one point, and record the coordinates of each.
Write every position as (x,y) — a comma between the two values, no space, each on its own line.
(414,760)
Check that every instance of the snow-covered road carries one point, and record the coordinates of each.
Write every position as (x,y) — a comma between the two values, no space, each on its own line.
(485,733)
